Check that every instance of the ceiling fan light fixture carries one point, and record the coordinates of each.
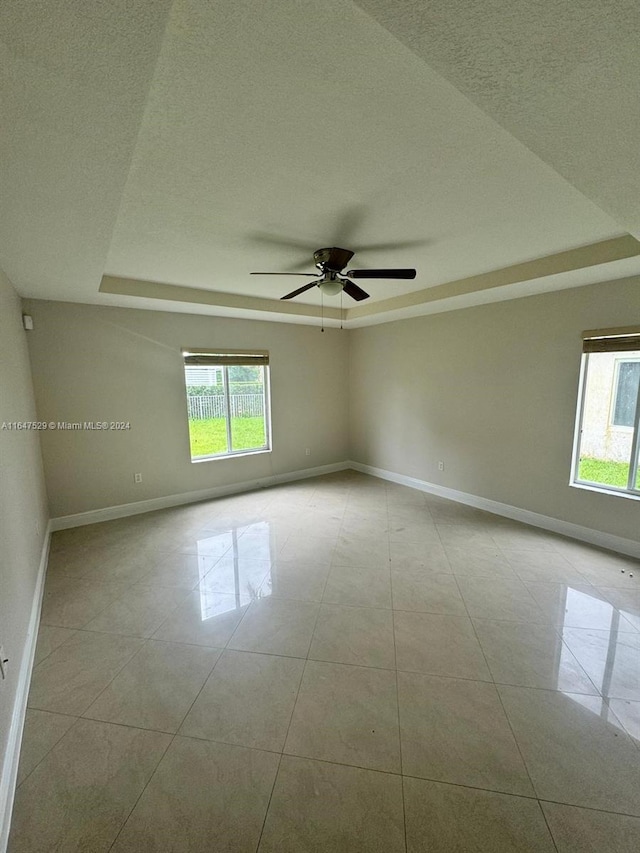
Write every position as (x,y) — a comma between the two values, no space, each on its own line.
(331,287)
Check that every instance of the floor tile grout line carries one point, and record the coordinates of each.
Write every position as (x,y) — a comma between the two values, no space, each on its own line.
(106,687)
(395,657)
(311,639)
(52,747)
(564,644)
(544,817)
(173,736)
(497,692)
(367,666)
(127,661)
(286,736)
(607,701)
(266,812)
(141,794)
(42,660)
(202,686)
(357,665)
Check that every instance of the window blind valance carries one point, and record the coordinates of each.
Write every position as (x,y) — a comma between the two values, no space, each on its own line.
(626,339)
(229,358)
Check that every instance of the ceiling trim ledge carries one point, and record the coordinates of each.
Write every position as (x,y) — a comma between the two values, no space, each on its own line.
(595,254)
(197,295)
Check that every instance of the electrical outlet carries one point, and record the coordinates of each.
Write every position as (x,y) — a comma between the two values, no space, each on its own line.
(4,660)
(307,451)
(137,478)
(440,466)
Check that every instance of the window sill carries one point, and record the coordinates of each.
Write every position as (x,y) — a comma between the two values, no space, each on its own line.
(601,490)
(238,454)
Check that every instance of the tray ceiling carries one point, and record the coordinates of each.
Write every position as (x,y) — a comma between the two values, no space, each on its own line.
(159,152)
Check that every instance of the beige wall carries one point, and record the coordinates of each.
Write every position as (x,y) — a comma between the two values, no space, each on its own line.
(95,363)
(23,514)
(492,392)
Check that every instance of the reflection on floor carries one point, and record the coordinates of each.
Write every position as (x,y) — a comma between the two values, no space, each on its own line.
(339,664)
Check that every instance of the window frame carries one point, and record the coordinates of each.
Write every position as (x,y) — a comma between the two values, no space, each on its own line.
(631,490)
(213,357)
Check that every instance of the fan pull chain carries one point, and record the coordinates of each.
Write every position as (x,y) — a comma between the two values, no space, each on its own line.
(321,310)
(341,311)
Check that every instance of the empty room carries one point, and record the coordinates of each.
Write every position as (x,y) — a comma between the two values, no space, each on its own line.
(320,426)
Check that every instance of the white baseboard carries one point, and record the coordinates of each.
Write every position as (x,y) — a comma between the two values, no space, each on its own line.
(555,525)
(121,511)
(16,726)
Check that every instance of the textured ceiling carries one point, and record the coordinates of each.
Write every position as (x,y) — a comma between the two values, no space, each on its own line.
(163,145)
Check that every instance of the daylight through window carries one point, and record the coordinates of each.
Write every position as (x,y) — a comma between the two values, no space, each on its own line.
(607,446)
(227,403)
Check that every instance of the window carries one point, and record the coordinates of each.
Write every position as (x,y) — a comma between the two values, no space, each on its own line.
(627,377)
(227,403)
(607,444)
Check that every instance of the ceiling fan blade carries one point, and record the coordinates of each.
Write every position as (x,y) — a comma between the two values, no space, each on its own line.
(298,266)
(354,291)
(381,273)
(348,223)
(276,240)
(300,290)
(390,247)
(313,274)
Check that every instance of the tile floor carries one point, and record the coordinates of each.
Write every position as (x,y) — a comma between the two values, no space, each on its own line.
(339,664)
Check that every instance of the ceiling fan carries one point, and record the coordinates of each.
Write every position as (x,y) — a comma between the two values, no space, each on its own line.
(332,280)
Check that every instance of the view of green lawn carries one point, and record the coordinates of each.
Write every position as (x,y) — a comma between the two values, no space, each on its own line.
(210,436)
(601,471)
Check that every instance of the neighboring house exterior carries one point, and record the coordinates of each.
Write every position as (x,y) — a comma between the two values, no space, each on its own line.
(201,376)
(607,426)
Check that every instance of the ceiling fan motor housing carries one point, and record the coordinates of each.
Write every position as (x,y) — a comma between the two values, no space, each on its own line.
(333,259)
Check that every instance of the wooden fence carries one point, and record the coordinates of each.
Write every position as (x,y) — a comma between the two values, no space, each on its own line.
(242,406)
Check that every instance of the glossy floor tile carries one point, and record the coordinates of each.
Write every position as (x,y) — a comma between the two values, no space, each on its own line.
(42,731)
(439,645)
(78,797)
(366,586)
(318,807)
(455,730)
(414,589)
(356,635)
(49,638)
(74,675)
(203,796)
(629,715)
(296,578)
(610,658)
(338,664)
(453,819)
(347,714)
(204,618)
(156,688)
(481,561)
(575,751)
(504,598)
(276,626)
(578,606)
(531,655)
(577,830)
(247,700)
(139,611)
(75,602)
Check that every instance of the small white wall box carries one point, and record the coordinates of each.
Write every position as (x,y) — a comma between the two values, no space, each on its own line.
(27,322)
